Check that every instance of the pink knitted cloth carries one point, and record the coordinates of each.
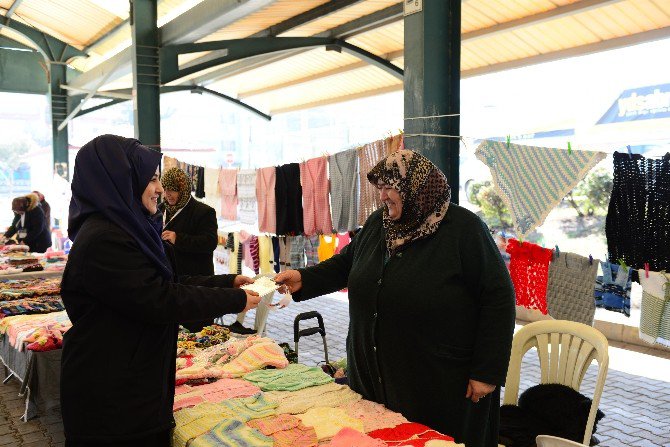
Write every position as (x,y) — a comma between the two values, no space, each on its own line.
(228,188)
(286,430)
(373,415)
(348,437)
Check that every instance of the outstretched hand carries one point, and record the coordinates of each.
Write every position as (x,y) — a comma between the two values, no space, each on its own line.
(241,280)
(291,281)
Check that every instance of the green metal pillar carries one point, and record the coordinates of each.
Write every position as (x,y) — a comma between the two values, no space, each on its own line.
(146,88)
(432,82)
(59,110)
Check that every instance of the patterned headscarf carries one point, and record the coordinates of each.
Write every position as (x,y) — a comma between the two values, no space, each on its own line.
(424,192)
(175,179)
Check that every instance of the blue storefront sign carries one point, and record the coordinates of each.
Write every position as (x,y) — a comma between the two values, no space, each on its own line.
(639,104)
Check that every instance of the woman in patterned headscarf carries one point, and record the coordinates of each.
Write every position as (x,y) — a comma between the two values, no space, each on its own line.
(423,261)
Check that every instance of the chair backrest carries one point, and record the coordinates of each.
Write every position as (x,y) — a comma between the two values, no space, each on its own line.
(565,349)
(553,441)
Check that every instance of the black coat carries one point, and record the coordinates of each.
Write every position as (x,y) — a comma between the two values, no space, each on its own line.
(196,241)
(435,315)
(38,235)
(118,363)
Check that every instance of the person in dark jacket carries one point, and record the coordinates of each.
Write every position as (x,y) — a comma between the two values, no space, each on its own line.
(431,304)
(191,227)
(29,225)
(124,301)
(45,207)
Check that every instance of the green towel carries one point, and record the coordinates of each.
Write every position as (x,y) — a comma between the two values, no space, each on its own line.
(292,378)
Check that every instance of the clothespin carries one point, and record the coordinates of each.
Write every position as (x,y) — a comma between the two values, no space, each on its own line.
(623,265)
(646,270)
(590,260)
(630,153)
(569,148)
(558,252)
(508,141)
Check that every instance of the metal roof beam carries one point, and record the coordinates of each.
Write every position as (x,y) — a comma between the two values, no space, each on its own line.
(323,102)
(193,24)
(306,17)
(100,106)
(582,50)
(366,23)
(104,94)
(535,19)
(12,9)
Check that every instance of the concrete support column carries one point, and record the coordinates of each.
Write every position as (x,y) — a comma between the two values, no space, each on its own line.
(146,88)
(59,110)
(432,83)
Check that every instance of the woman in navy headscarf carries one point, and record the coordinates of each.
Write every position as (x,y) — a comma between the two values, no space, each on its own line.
(124,301)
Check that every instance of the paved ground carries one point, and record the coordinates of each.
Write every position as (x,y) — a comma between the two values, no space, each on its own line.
(637,408)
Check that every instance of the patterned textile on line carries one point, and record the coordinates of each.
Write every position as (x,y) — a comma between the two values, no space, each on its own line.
(638,217)
(655,307)
(570,288)
(612,290)
(529,268)
(246,194)
(532,180)
(315,201)
(343,169)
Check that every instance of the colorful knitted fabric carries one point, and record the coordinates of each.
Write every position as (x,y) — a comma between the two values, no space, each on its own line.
(613,288)
(638,218)
(312,250)
(373,415)
(253,252)
(286,430)
(570,288)
(228,189)
(265,193)
(328,421)
(532,180)
(28,288)
(655,298)
(212,193)
(296,402)
(232,433)
(529,268)
(291,378)
(410,434)
(368,198)
(37,305)
(265,255)
(187,400)
(256,356)
(297,252)
(348,437)
(248,408)
(217,391)
(246,194)
(343,169)
(315,200)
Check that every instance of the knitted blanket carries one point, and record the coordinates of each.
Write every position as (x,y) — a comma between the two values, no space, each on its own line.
(570,288)
(655,308)
(286,430)
(533,180)
(328,421)
(292,378)
(296,402)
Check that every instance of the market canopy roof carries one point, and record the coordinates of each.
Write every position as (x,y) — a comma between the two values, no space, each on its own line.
(496,35)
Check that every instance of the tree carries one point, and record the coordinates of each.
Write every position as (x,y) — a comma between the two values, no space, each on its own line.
(592,195)
(12,155)
(496,213)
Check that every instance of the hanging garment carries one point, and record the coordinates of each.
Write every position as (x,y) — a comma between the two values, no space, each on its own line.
(343,240)
(315,201)
(236,253)
(613,288)
(297,252)
(570,288)
(245,240)
(169,162)
(638,217)
(288,199)
(265,255)
(199,182)
(655,298)
(265,194)
(253,252)
(531,180)
(343,170)
(276,254)
(228,189)
(312,250)
(284,253)
(212,193)
(327,246)
(368,156)
(246,195)
(529,269)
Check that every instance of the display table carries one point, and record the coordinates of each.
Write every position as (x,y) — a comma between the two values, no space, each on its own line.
(39,373)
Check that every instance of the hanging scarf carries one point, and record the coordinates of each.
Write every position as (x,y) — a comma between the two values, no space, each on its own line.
(110,175)
(177,180)
(424,192)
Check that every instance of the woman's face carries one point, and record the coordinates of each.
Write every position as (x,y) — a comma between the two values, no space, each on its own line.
(152,193)
(172,197)
(391,199)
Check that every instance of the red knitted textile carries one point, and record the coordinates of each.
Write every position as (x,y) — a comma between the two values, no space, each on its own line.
(529,268)
(408,434)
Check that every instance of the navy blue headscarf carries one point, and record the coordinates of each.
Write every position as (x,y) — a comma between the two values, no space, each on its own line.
(110,175)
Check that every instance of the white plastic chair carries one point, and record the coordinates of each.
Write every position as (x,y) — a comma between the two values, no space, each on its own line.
(553,441)
(565,349)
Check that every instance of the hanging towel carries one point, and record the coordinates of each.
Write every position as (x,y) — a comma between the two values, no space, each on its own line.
(655,298)
(297,252)
(638,217)
(315,201)
(327,246)
(533,180)
(265,194)
(312,250)
(570,288)
(613,288)
(212,194)
(343,169)
(368,156)
(228,188)
(246,195)
(529,269)
(288,198)
(265,255)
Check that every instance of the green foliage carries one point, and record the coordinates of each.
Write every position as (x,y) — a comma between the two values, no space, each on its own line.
(13,153)
(592,195)
(496,213)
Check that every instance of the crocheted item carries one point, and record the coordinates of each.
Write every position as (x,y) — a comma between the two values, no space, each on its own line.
(291,378)
(232,433)
(288,199)
(612,290)
(228,188)
(373,415)
(286,430)
(328,421)
(315,200)
(297,252)
(296,402)
(247,408)
(265,193)
(368,156)
(529,269)
(570,288)
(265,255)
(411,434)
(187,400)
(532,180)
(217,391)
(343,169)
(312,250)
(655,298)
(246,195)
(256,356)
(348,437)
(263,286)
(638,218)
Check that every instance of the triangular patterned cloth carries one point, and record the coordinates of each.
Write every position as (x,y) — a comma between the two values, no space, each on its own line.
(533,180)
